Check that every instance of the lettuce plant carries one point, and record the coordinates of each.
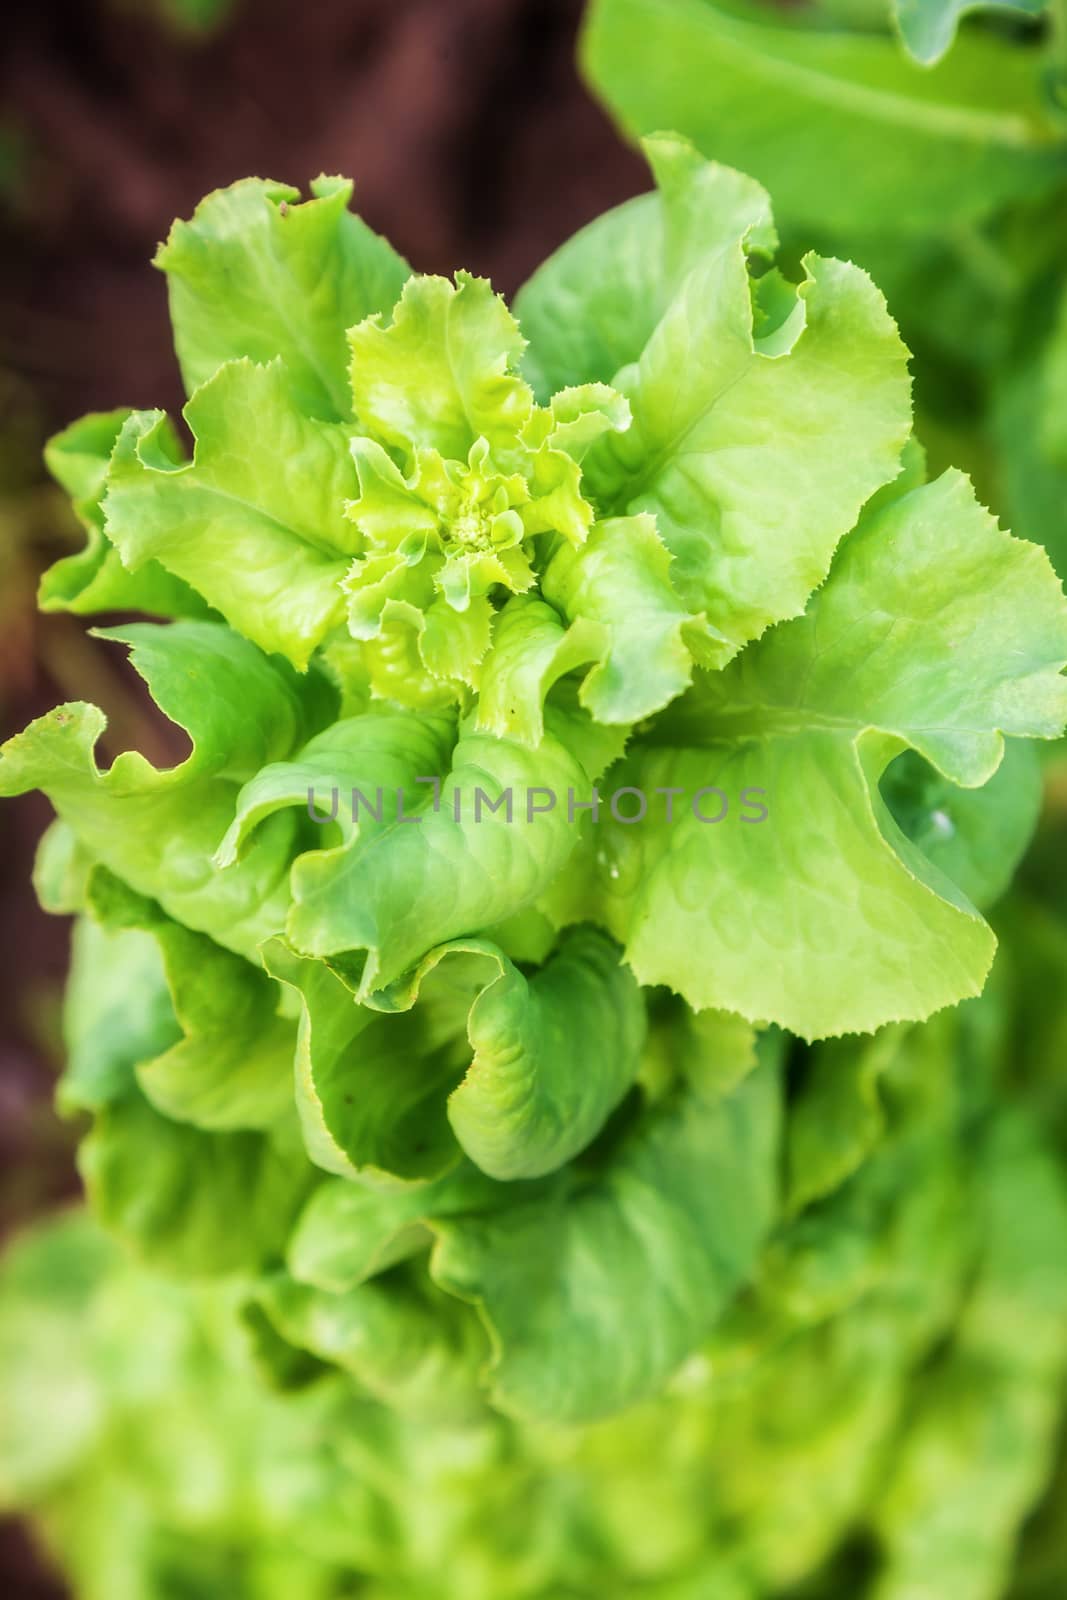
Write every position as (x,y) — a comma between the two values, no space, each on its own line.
(592,715)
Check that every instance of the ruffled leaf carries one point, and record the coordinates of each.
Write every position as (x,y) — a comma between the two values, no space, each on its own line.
(95,579)
(532,650)
(371,1091)
(466,1041)
(553,1054)
(158,829)
(656,1241)
(619,582)
(439,542)
(255,522)
(439,376)
(496,835)
(625,618)
(351,1231)
(360,773)
(756,460)
(256,274)
(936,631)
(117,1012)
(593,305)
(232,1065)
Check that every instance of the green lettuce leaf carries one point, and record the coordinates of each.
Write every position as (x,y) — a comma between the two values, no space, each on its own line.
(95,579)
(377,760)
(61,870)
(657,1241)
(351,1231)
(467,1043)
(624,617)
(117,1012)
(703,455)
(476,852)
(438,377)
(553,1055)
(439,543)
(618,589)
(403,1339)
(762,88)
(232,1066)
(928,27)
(371,1091)
(976,837)
(164,1186)
(257,275)
(592,307)
(158,829)
(532,650)
(824,918)
(255,522)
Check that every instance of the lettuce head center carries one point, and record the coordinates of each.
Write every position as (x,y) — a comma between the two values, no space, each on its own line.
(471,530)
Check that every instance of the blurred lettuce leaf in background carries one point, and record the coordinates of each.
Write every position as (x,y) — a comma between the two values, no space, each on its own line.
(946,180)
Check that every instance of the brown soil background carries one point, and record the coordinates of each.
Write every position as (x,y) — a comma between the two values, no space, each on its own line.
(472,143)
